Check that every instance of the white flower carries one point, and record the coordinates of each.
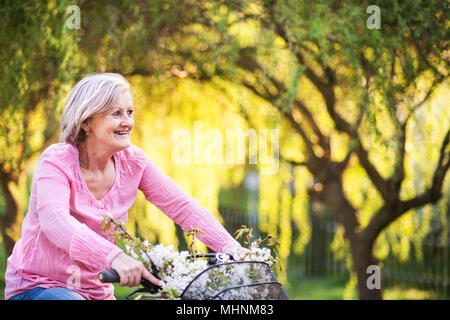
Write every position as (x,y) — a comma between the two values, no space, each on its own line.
(177,270)
(131,252)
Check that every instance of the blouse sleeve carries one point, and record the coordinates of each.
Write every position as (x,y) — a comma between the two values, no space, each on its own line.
(184,210)
(60,227)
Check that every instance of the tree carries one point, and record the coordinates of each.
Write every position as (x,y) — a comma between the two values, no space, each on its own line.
(314,58)
(38,59)
(331,78)
(44,52)
(360,76)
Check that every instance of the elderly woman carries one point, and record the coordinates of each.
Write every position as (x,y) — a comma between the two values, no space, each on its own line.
(94,170)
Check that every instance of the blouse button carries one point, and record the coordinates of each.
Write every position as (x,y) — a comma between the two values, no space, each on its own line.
(100,204)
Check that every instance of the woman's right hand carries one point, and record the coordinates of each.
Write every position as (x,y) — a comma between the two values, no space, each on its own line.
(131,271)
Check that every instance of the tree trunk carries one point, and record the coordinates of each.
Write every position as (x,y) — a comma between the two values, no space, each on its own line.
(361,247)
(13,215)
(366,268)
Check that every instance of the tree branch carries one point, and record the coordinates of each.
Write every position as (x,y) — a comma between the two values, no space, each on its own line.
(281,31)
(323,140)
(433,86)
(393,210)
(327,91)
(399,172)
(434,192)
(289,117)
(378,181)
(296,163)
(249,63)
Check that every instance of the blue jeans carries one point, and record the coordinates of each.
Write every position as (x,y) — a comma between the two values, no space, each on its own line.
(39,293)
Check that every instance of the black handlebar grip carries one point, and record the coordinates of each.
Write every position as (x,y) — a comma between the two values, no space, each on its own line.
(109,276)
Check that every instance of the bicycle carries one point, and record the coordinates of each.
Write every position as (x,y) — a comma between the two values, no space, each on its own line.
(256,281)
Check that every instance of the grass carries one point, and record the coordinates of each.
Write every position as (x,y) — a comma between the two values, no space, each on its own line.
(328,288)
(299,288)
(316,288)
(333,288)
(312,288)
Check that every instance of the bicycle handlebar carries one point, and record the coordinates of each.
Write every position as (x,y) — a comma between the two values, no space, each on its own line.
(109,276)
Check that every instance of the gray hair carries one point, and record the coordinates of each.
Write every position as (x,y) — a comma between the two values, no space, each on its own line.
(94,95)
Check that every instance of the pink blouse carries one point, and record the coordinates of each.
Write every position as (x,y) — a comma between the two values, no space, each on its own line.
(62,242)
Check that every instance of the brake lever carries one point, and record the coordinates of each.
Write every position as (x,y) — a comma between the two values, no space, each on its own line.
(148,286)
(128,296)
(109,276)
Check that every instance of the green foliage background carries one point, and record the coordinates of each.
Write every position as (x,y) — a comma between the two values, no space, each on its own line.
(241,65)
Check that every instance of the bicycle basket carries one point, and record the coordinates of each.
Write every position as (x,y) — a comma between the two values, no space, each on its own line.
(236,280)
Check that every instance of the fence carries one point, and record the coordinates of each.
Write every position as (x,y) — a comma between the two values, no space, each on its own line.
(431,272)
(427,269)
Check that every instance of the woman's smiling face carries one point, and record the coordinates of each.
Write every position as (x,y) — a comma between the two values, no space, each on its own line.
(113,130)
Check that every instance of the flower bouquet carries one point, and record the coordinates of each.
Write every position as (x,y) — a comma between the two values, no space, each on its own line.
(244,275)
